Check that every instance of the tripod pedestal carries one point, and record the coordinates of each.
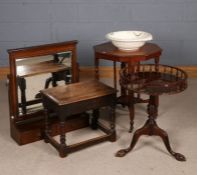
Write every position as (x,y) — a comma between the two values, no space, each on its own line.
(151,128)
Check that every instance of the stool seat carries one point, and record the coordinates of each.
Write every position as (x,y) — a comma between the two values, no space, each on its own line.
(74,99)
(77,92)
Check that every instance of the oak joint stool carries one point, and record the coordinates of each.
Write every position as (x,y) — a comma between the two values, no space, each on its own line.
(74,99)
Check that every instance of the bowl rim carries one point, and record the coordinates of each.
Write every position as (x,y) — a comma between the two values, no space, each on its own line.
(148,38)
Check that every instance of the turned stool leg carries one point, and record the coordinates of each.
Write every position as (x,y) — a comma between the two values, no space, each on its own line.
(47,130)
(94,121)
(62,140)
(150,128)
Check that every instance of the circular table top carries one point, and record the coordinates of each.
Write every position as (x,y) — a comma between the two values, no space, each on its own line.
(109,51)
(151,81)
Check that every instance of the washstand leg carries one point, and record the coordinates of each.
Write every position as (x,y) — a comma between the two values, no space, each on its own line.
(131,110)
(123,91)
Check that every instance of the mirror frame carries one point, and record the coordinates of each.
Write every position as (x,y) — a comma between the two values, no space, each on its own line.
(28,53)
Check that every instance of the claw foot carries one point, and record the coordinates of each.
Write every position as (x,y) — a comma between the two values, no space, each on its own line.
(121,153)
(179,157)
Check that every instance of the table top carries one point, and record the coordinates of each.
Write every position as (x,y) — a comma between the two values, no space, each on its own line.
(40,68)
(165,80)
(109,51)
(77,92)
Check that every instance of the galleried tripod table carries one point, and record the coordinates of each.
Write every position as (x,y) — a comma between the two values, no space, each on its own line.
(153,80)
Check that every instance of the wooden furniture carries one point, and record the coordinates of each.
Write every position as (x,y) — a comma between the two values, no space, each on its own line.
(28,127)
(64,74)
(153,80)
(107,51)
(59,72)
(74,99)
(39,68)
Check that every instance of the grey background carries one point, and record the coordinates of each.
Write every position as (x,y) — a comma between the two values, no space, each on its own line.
(173,24)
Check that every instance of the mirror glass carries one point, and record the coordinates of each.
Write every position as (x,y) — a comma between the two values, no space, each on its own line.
(37,73)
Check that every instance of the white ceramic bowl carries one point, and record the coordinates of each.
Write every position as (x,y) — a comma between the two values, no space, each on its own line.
(129,40)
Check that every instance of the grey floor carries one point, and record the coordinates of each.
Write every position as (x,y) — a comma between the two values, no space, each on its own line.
(177,115)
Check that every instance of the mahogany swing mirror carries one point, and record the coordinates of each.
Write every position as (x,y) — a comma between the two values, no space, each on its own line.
(31,70)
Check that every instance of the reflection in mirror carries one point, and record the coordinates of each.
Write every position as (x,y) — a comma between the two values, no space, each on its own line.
(37,73)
